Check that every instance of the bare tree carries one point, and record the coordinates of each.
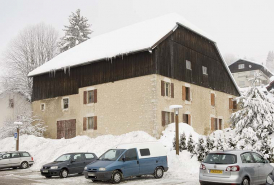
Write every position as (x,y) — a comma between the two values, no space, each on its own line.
(34,46)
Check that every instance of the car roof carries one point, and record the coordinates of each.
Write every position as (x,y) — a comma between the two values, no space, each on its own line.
(233,151)
(78,153)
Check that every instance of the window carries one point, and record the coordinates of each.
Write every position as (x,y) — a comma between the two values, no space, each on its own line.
(145,152)
(232,104)
(167,89)
(65,103)
(241,66)
(131,155)
(220,124)
(89,156)
(212,99)
(43,106)
(188,65)
(90,123)
(5,156)
(217,158)
(165,118)
(187,93)
(187,119)
(24,154)
(214,124)
(77,157)
(90,96)
(15,155)
(258,158)
(247,158)
(204,70)
(11,103)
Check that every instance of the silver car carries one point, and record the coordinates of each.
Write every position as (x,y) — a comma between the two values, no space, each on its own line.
(234,167)
(14,160)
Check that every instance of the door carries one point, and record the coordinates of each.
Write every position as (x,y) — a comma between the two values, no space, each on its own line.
(263,169)
(248,165)
(15,159)
(66,129)
(131,163)
(77,164)
(5,161)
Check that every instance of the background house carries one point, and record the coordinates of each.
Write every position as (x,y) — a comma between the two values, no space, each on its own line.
(243,71)
(126,80)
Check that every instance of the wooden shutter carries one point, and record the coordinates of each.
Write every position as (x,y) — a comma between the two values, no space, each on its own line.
(84,123)
(95,122)
(95,96)
(230,103)
(162,88)
(85,97)
(172,90)
(172,117)
(163,118)
(234,105)
(212,124)
(189,119)
(183,93)
(212,99)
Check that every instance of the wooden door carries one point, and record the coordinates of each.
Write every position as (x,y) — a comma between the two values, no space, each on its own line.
(66,129)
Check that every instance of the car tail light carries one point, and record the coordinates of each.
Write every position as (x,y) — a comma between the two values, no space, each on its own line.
(202,167)
(32,158)
(233,168)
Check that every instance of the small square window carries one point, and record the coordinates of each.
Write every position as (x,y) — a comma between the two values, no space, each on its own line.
(188,65)
(43,107)
(90,96)
(241,66)
(204,70)
(65,103)
(11,103)
(90,123)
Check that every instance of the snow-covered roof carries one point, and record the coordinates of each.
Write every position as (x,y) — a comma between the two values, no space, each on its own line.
(133,38)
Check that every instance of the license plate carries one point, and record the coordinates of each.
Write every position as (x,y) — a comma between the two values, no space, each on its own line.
(216,171)
(45,171)
(91,174)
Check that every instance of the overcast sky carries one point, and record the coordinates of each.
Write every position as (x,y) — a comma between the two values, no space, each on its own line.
(243,28)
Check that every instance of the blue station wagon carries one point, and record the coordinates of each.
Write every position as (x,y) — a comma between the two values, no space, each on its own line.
(128,160)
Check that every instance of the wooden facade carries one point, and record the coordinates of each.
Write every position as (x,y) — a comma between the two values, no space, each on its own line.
(168,59)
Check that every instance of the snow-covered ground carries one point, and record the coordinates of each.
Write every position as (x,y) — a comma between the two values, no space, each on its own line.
(182,169)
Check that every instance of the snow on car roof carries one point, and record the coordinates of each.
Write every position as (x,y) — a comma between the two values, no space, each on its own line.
(133,38)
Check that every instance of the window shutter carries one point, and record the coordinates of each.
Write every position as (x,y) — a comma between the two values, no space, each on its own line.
(95,96)
(183,93)
(172,90)
(172,117)
(85,97)
(234,105)
(84,123)
(220,124)
(95,122)
(163,118)
(212,99)
(189,119)
(212,124)
(230,103)
(162,88)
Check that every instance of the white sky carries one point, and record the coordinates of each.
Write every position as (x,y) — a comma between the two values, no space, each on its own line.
(242,27)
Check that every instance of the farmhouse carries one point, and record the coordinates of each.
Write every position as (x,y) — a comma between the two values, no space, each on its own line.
(125,80)
(243,71)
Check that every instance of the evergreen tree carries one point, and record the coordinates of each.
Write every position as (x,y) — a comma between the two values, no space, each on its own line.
(77,32)
(232,143)
(190,145)
(220,145)
(201,149)
(182,145)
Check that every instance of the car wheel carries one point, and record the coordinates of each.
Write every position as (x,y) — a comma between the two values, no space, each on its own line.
(48,176)
(245,181)
(116,177)
(24,165)
(94,180)
(64,173)
(158,173)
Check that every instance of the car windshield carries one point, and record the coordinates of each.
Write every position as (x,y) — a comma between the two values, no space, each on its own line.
(111,155)
(220,158)
(63,158)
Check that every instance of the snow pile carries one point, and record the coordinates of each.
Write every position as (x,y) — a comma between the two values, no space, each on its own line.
(133,38)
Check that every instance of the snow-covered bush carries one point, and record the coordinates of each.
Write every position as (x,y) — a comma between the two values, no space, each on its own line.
(190,145)
(201,150)
(182,145)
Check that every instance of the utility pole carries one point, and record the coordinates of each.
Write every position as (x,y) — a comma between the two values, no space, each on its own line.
(17,132)
(176,110)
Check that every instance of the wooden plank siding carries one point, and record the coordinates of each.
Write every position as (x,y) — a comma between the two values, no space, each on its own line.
(167,59)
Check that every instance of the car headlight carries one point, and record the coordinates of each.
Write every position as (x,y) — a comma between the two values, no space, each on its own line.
(269,180)
(54,167)
(86,168)
(102,169)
